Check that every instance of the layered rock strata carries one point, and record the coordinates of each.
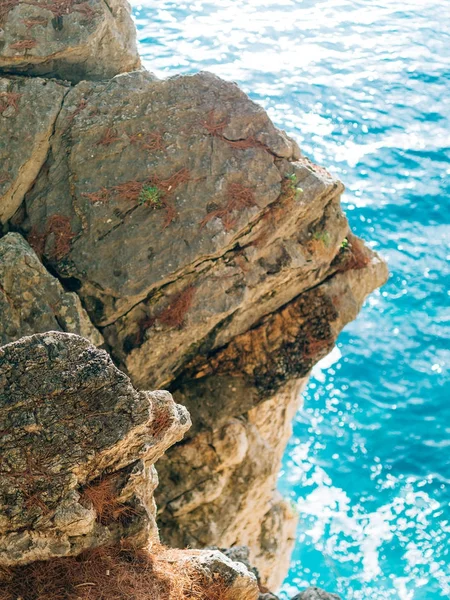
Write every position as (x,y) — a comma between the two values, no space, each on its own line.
(77,449)
(191,238)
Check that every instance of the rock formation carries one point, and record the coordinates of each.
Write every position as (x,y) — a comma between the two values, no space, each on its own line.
(32,300)
(77,449)
(172,224)
(69,39)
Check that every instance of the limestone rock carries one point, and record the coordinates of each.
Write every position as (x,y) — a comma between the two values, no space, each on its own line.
(69,39)
(259,372)
(32,300)
(315,593)
(77,447)
(28,110)
(238,580)
(188,184)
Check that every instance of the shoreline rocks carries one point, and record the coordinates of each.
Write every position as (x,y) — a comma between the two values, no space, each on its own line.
(172,224)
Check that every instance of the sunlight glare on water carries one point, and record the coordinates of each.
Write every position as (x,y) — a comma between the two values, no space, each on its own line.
(364,86)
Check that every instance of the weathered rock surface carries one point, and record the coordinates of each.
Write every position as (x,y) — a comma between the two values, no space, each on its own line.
(77,447)
(216,261)
(315,593)
(220,485)
(32,300)
(187,183)
(28,110)
(69,39)
(238,580)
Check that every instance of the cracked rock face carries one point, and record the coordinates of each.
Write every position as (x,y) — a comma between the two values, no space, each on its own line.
(69,39)
(219,486)
(32,300)
(77,447)
(216,261)
(28,110)
(186,215)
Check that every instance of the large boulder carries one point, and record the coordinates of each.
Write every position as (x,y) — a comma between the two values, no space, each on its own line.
(32,300)
(77,446)
(68,39)
(188,216)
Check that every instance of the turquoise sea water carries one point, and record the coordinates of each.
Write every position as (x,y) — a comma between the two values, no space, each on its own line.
(364,86)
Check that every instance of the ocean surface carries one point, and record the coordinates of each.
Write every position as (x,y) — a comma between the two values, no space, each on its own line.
(364,86)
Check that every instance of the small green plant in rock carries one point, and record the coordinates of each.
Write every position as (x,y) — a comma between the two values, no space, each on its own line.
(293,185)
(322,236)
(344,243)
(150,195)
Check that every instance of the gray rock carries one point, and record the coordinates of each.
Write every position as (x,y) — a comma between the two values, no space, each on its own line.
(70,39)
(28,111)
(32,300)
(77,448)
(315,593)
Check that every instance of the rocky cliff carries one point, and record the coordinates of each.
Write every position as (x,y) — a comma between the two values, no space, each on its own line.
(172,225)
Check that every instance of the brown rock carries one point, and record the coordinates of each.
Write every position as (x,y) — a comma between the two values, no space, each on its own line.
(69,39)
(32,300)
(186,183)
(77,447)
(235,498)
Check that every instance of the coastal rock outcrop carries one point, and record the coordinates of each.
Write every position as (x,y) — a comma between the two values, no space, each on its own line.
(68,39)
(174,225)
(77,449)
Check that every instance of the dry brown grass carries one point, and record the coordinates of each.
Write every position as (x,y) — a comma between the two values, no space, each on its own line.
(117,573)
(238,197)
(109,137)
(131,191)
(174,315)
(152,141)
(82,104)
(30,23)
(60,8)
(8,99)
(103,496)
(24,44)
(213,126)
(5,7)
(60,227)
